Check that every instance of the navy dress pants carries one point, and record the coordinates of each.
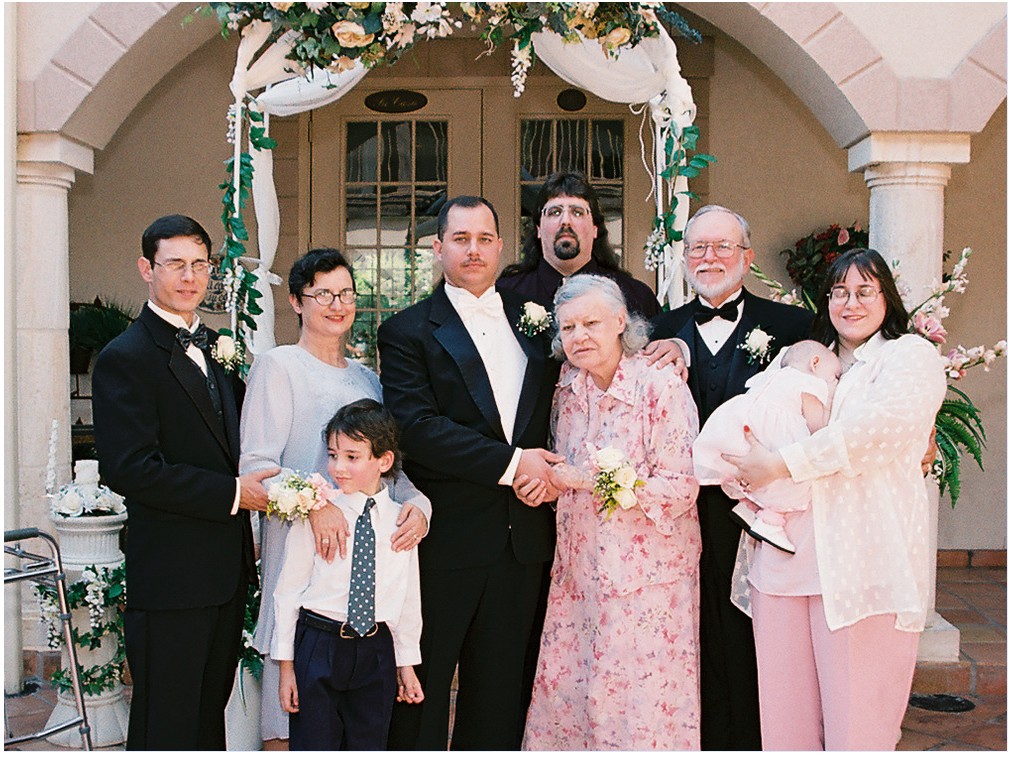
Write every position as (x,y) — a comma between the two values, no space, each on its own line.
(346,688)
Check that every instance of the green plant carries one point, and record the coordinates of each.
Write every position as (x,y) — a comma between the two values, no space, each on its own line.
(958,430)
(93,326)
(810,257)
(248,657)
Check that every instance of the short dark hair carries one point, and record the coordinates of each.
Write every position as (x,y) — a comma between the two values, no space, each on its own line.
(869,263)
(566,184)
(166,227)
(463,201)
(308,266)
(367,421)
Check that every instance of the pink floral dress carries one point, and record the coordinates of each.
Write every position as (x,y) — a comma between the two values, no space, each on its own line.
(619,661)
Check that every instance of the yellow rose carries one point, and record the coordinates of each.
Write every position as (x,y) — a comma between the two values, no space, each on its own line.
(282,7)
(351,35)
(615,38)
(341,64)
(359,6)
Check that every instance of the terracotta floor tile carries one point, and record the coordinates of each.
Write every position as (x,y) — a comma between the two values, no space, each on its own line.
(961,616)
(984,653)
(963,575)
(914,741)
(981,633)
(958,747)
(990,736)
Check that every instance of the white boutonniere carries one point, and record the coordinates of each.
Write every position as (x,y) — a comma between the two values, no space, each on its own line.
(757,345)
(534,319)
(226,352)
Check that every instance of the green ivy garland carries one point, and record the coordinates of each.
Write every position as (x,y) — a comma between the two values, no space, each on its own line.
(97,590)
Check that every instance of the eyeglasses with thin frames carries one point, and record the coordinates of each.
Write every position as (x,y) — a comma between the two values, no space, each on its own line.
(576,212)
(866,294)
(723,249)
(325,298)
(200,267)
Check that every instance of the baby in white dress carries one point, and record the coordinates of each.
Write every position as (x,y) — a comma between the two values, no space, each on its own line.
(783,404)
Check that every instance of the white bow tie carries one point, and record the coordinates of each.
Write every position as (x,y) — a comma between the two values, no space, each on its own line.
(489,305)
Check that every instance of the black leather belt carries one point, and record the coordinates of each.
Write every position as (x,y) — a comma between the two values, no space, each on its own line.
(324,624)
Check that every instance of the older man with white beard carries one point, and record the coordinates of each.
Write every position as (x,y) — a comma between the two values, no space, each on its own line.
(715,326)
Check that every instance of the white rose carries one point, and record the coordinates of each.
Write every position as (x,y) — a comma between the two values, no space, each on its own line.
(758,340)
(1001,347)
(287,500)
(608,459)
(104,500)
(306,498)
(625,498)
(71,504)
(225,348)
(535,313)
(624,476)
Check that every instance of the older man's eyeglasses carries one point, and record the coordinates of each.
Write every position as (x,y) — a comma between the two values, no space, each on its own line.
(325,298)
(200,268)
(723,249)
(576,212)
(866,294)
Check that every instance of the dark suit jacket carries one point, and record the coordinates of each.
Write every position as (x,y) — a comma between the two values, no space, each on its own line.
(788,324)
(160,444)
(454,448)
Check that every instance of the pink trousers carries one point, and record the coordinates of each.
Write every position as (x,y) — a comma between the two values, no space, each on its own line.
(819,689)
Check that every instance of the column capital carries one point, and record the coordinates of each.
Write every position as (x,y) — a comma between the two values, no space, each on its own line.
(909,147)
(50,158)
(907,174)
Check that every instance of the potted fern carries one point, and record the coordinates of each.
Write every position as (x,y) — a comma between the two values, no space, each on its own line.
(91,327)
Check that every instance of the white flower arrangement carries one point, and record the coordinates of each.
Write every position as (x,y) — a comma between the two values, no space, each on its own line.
(534,319)
(757,345)
(85,500)
(615,482)
(226,352)
(294,497)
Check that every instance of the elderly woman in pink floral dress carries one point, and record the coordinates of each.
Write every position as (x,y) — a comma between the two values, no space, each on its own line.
(618,663)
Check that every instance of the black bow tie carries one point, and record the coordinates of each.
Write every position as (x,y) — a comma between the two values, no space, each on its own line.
(728,311)
(198,338)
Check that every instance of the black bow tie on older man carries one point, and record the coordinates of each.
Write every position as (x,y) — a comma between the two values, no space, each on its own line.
(199,338)
(702,313)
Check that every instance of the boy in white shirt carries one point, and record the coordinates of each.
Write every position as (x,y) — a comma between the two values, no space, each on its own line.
(347,630)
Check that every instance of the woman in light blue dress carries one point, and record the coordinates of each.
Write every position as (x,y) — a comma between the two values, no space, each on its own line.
(291,393)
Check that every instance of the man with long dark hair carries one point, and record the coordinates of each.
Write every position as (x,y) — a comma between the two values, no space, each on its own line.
(570,237)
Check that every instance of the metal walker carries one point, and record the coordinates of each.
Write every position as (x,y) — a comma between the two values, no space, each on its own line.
(47,569)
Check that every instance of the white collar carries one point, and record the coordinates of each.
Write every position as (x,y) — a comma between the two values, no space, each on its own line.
(462,297)
(176,320)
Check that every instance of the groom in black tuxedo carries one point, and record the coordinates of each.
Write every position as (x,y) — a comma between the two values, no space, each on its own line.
(715,326)
(166,421)
(472,395)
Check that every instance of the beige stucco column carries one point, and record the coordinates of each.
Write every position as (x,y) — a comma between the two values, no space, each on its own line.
(907,175)
(46,168)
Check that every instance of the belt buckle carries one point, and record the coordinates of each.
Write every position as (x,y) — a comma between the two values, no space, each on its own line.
(347,633)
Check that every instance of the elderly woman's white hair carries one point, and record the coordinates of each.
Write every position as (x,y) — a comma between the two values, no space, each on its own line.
(633,336)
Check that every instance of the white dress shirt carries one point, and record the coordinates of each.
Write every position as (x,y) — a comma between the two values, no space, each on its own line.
(195,354)
(717,330)
(308,581)
(503,358)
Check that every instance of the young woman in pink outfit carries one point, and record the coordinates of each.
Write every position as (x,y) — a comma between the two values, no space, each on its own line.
(836,625)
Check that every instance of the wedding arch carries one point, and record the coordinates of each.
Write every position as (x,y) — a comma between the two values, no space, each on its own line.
(301,56)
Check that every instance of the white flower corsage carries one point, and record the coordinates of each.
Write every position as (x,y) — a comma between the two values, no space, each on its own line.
(534,319)
(226,352)
(757,345)
(295,497)
(616,481)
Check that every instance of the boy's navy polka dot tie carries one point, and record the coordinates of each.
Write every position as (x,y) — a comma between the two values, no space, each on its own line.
(361,590)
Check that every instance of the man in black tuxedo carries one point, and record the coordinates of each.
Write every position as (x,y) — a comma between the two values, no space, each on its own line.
(166,421)
(714,327)
(472,396)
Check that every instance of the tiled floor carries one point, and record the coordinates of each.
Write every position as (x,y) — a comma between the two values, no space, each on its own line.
(974,599)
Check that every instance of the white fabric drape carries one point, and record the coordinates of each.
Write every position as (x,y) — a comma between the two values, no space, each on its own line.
(287,94)
(648,72)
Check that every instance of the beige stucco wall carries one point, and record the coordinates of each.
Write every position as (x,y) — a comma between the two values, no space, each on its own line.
(776,164)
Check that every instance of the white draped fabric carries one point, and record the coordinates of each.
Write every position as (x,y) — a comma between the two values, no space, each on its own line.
(648,72)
